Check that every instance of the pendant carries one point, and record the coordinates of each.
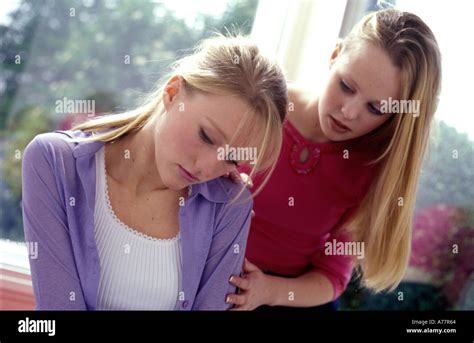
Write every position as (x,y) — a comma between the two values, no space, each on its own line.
(304,158)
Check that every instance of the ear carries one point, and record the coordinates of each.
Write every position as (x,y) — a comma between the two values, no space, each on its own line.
(335,54)
(173,87)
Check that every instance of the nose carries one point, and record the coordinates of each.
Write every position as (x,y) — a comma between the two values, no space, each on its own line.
(209,166)
(350,110)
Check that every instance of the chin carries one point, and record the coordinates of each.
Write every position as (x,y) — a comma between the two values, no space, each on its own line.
(175,186)
(330,134)
(172,183)
(327,132)
(338,138)
(335,139)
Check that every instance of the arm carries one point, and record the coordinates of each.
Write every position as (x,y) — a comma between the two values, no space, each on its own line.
(55,279)
(324,282)
(225,258)
(310,289)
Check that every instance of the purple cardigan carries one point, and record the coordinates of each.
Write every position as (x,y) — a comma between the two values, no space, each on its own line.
(59,177)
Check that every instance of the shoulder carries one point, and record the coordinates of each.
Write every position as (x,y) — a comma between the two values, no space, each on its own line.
(234,200)
(58,145)
(237,212)
(59,153)
(49,146)
(232,189)
(223,190)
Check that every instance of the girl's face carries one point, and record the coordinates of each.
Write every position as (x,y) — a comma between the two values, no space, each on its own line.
(190,131)
(359,80)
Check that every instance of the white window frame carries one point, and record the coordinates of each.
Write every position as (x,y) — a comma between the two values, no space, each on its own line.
(300,35)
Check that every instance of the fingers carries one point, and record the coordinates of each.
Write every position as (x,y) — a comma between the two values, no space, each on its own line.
(239,282)
(236,299)
(250,267)
(246,180)
(238,308)
(234,176)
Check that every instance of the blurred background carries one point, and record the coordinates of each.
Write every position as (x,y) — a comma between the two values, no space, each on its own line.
(111,52)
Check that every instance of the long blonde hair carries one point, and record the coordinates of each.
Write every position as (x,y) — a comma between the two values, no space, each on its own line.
(226,66)
(383,220)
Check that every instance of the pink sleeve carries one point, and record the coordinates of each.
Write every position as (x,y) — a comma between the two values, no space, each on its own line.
(336,267)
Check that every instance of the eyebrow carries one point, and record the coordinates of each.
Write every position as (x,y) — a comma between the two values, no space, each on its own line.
(377,102)
(352,82)
(213,123)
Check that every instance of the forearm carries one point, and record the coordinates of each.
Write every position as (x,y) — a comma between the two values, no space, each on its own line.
(310,289)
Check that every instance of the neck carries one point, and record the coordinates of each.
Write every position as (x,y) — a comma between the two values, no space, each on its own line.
(311,113)
(131,161)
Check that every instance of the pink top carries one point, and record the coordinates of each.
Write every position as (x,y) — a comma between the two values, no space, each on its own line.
(303,205)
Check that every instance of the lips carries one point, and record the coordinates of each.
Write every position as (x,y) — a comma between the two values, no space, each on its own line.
(338,125)
(187,175)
